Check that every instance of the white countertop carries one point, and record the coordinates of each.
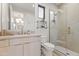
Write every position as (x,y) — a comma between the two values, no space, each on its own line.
(19,36)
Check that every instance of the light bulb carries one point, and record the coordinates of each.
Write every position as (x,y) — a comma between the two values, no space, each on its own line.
(33,5)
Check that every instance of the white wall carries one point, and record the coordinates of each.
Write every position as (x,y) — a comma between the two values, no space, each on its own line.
(44,32)
(5,16)
(0,16)
(32,21)
(70,18)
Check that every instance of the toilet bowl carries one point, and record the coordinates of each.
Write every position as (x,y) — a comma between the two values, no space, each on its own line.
(47,48)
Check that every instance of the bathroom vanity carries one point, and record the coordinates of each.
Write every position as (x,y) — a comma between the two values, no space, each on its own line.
(20,45)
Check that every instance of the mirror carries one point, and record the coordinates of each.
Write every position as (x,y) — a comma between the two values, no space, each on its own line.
(22,17)
(17,18)
(0,16)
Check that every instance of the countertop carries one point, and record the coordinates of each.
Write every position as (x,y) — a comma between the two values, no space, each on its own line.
(19,36)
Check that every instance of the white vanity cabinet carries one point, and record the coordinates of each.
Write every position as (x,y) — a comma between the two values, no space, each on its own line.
(20,46)
(4,51)
(32,49)
(16,50)
(12,51)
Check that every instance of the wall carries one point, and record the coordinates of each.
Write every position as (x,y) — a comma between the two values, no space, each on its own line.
(4,16)
(42,31)
(69,19)
(0,16)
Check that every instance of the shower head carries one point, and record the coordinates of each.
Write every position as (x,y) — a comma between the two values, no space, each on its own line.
(60,10)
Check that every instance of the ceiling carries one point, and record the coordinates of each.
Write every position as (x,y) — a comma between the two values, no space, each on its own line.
(58,4)
(29,6)
(24,6)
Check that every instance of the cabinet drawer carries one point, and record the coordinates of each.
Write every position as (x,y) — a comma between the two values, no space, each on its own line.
(32,49)
(4,51)
(16,50)
(23,40)
(12,51)
(4,43)
(31,39)
(16,41)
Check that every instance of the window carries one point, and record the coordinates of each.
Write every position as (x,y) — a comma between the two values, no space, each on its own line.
(41,12)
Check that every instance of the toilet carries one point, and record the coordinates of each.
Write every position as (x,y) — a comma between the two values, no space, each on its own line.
(47,49)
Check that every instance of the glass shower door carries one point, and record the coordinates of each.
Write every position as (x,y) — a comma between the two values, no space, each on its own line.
(53,27)
(54,34)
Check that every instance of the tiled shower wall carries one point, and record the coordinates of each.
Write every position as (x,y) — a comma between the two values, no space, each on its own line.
(69,18)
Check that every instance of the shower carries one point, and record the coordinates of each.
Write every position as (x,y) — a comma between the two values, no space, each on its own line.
(60,31)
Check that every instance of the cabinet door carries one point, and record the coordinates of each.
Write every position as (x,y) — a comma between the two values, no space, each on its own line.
(4,51)
(32,49)
(16,50)
(12,51)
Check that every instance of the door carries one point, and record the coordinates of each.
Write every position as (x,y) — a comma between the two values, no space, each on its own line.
(53,26)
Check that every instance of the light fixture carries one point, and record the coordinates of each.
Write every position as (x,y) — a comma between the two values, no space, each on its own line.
(22,22)
(12,20)
(51,12)
(14,25)
(33,5)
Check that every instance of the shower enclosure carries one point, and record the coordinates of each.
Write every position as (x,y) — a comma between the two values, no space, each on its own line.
(64,29)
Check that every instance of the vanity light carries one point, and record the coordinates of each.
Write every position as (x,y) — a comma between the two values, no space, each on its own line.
(14,25)
(33,5)
(22,22)
(17,20)
(51,12)
(12,20)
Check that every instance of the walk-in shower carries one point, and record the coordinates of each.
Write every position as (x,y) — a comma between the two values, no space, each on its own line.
(61,30)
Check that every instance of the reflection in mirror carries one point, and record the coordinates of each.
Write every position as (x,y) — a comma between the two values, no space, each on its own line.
(22,17)
(0,16)
(3,18)
(52,17)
